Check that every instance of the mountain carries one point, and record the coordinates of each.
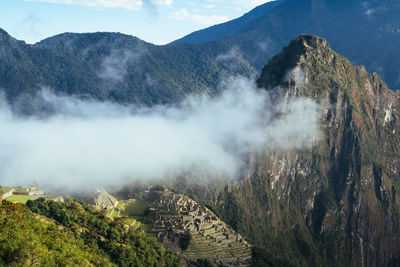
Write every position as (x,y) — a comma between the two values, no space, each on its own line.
(220,31)
(124,69)
(338,203)
(113,67)
(366,32)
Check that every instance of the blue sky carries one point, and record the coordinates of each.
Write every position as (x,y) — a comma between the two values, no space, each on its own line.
(155,21)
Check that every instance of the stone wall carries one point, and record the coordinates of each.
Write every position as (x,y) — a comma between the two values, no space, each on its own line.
(6,195)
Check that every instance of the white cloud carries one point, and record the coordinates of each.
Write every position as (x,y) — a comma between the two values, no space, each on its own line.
(127,4)
(156,4)
(210,6)
(88,143)
(162,2)
(231,59)
(114,66)
(207,20)
(243,3)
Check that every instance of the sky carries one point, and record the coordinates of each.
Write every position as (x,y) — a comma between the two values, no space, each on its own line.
(155,21)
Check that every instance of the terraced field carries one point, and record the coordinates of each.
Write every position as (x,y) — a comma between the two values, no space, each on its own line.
(171,217)
(131,209)
(216,244)
(136,209)
(178,215)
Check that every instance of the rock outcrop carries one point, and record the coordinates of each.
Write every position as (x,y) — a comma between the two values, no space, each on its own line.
(100,199)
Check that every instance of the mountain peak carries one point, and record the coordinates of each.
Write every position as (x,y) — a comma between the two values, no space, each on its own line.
(308,42)
(308,57)
(4,35)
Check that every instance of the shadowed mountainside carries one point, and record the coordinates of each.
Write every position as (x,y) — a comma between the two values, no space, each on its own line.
(366,32)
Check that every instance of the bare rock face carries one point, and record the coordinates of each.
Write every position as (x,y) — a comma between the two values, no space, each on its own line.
(337,203)
(101,199)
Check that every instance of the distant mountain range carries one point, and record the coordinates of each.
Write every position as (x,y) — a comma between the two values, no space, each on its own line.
(124,69)
(366,32)
(113,67)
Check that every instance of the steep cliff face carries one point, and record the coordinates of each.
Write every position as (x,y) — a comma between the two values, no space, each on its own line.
(337,203)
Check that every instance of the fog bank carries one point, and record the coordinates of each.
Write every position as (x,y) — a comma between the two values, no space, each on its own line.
(87,143)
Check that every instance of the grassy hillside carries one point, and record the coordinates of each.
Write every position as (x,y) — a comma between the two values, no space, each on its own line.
(123,245)
(47,233)
(29,240)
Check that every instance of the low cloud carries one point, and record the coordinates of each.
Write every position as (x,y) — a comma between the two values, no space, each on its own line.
(87,143)
(233,54)
(114,66)
(297,76)
(231,60)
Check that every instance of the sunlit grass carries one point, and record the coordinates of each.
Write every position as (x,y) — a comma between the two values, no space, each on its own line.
(137,209)
(22,199)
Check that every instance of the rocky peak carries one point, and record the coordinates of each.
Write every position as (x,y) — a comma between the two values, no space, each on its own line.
(304,48)
(310,58)
(308,67)
(100,199)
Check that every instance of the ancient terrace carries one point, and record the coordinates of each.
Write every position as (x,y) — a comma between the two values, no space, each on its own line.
(178,216)
(24,193)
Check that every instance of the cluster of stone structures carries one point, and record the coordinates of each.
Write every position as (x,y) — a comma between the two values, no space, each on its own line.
(178,215)
(32,191)
(6,192)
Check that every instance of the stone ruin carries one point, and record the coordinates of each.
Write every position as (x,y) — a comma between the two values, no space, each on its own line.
(212,239)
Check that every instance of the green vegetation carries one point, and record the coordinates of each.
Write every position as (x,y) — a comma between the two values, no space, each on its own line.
(137,209)
(26,240)
(160,74)
(22,199)
(5,189)
(123,245)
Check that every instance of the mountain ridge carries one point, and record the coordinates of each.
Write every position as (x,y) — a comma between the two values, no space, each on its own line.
(366,32)
(226,29)
(113,67)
